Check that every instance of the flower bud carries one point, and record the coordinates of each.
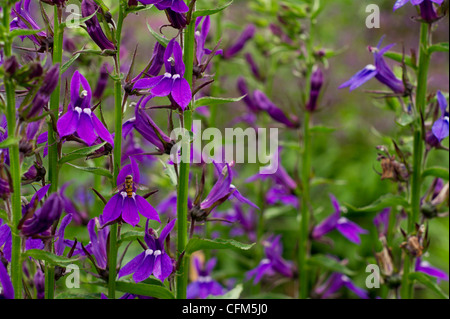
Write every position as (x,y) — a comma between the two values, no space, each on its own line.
(177,20)
(89,7)
(316,86)
(102,82)
(428,11)
(11,65)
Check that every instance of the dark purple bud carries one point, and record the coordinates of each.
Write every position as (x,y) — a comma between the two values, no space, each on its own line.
(69,45)
(248,99)
(316,86)
(132,3)
(34,174)
(431,140)
(44,217)
(177,20)
(11,65)
(247,35)
(428,12)
(39,283)
(89,7)
(102,82)
(253,66)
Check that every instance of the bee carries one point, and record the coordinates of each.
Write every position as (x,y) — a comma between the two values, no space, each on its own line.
(129,185)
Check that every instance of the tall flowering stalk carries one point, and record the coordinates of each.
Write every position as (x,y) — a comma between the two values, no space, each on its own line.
(14,157)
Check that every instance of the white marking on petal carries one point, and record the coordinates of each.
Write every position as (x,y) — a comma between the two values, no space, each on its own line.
(167,75)
(157,253)
(345,278)
(204,279)
(87,111)
(148,252)
(124,194)
(83,94)
(342,220)
(176,76)
(371,67)
(265,261)
(78,109)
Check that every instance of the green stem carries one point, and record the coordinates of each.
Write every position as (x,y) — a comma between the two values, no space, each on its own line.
(407,290)
(112,256)
(15,168)
(183,185)
(53,145)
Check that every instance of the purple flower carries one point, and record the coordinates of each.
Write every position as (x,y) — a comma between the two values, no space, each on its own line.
(126,204)
(175,5)
(265,104)
(335,283)
(102,81)
(80,118)
(44,217)
(440,128)
(380,71)
(177,20)
(154,260)
(156,63)
(39,283)
(381,221)
(88,8)
(204,286)
(246,36)
(273,263)
(316,86)
(201,38)
(427,10)
(172,82)
(22,19)
(425,267)
(7,291)
(347,228)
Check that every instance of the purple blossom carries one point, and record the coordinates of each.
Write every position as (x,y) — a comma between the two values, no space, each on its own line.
(273,263)
(125,204)
(337,281)
(347,228)
(204,286)
(316,86)
(243,223)
(94,29)
(156,63)
(201,38)
(102,81)
(176,5)
(80,118)
(265,104)
(22,19)
(425,267)
(154,260)
(381,71)
(440,128)
(7,291)
(173,81)
(427,10)
(237,47)
(381,221)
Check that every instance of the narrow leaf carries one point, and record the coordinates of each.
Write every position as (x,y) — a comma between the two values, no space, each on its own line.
(329,264)
(208,12)
(382,203)
(196,244)
(155,291)
(80,153)
(439,172)
(428,282)
(49,257)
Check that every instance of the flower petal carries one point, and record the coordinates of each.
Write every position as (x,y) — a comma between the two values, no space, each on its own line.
(130,211)
(146,209)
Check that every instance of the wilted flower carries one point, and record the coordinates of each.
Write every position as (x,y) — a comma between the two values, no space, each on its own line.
(175,5)
(154,260)
(80,118)
(273,263)
(7,291)
(347,228)
(204,285)
(94,29)
(126,204)
(381,71)
(173,81)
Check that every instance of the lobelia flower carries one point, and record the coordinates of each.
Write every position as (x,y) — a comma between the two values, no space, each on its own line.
(381,71)
(177,20)
(156,63)
(337,281)
(316,86)
(381,222)
(426,268)
(175,5)
(172,82)
(246,36)
(102,81)
(265,104)
(22,19)
(243,223)
(42,96)
(253,66)
(95,31)
(80,118)
(126,204)
(7,291)
(39,283)
(440,128)
(154,260)
(427,10)
(273,263)
(347,228)
(200,39)
(204,285)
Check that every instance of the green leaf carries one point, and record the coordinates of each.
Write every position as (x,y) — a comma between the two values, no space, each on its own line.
(80,153)
(208,101)
(161,39)
(428,282)
(130,236)
(329,264)
(439,172)
(405,119)
(440,47)
(155,291)
(49,257)
(94,170)
(322,129)
(138,8)
(208,12)
(234,293)
(23,32)
(399,58)
(67,65)
(382,203)
(9,142)
(196,244)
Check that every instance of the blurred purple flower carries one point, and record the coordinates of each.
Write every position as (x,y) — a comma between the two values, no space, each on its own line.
(126,204)
(22,19)
(426,268)
(176,5)
(316,86)
(381,71)
(347,228)
(381,221)
(80,118)
(335,282)
(427,10)
(7,287)
(246,36)
(154,260)
(204,286)
(440,128)
(173,81)
(265,104)
(102,81)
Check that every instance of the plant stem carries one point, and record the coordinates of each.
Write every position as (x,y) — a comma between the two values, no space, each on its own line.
(15,168)
(183,185)
(112,256)
(418,153)
(52,142)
